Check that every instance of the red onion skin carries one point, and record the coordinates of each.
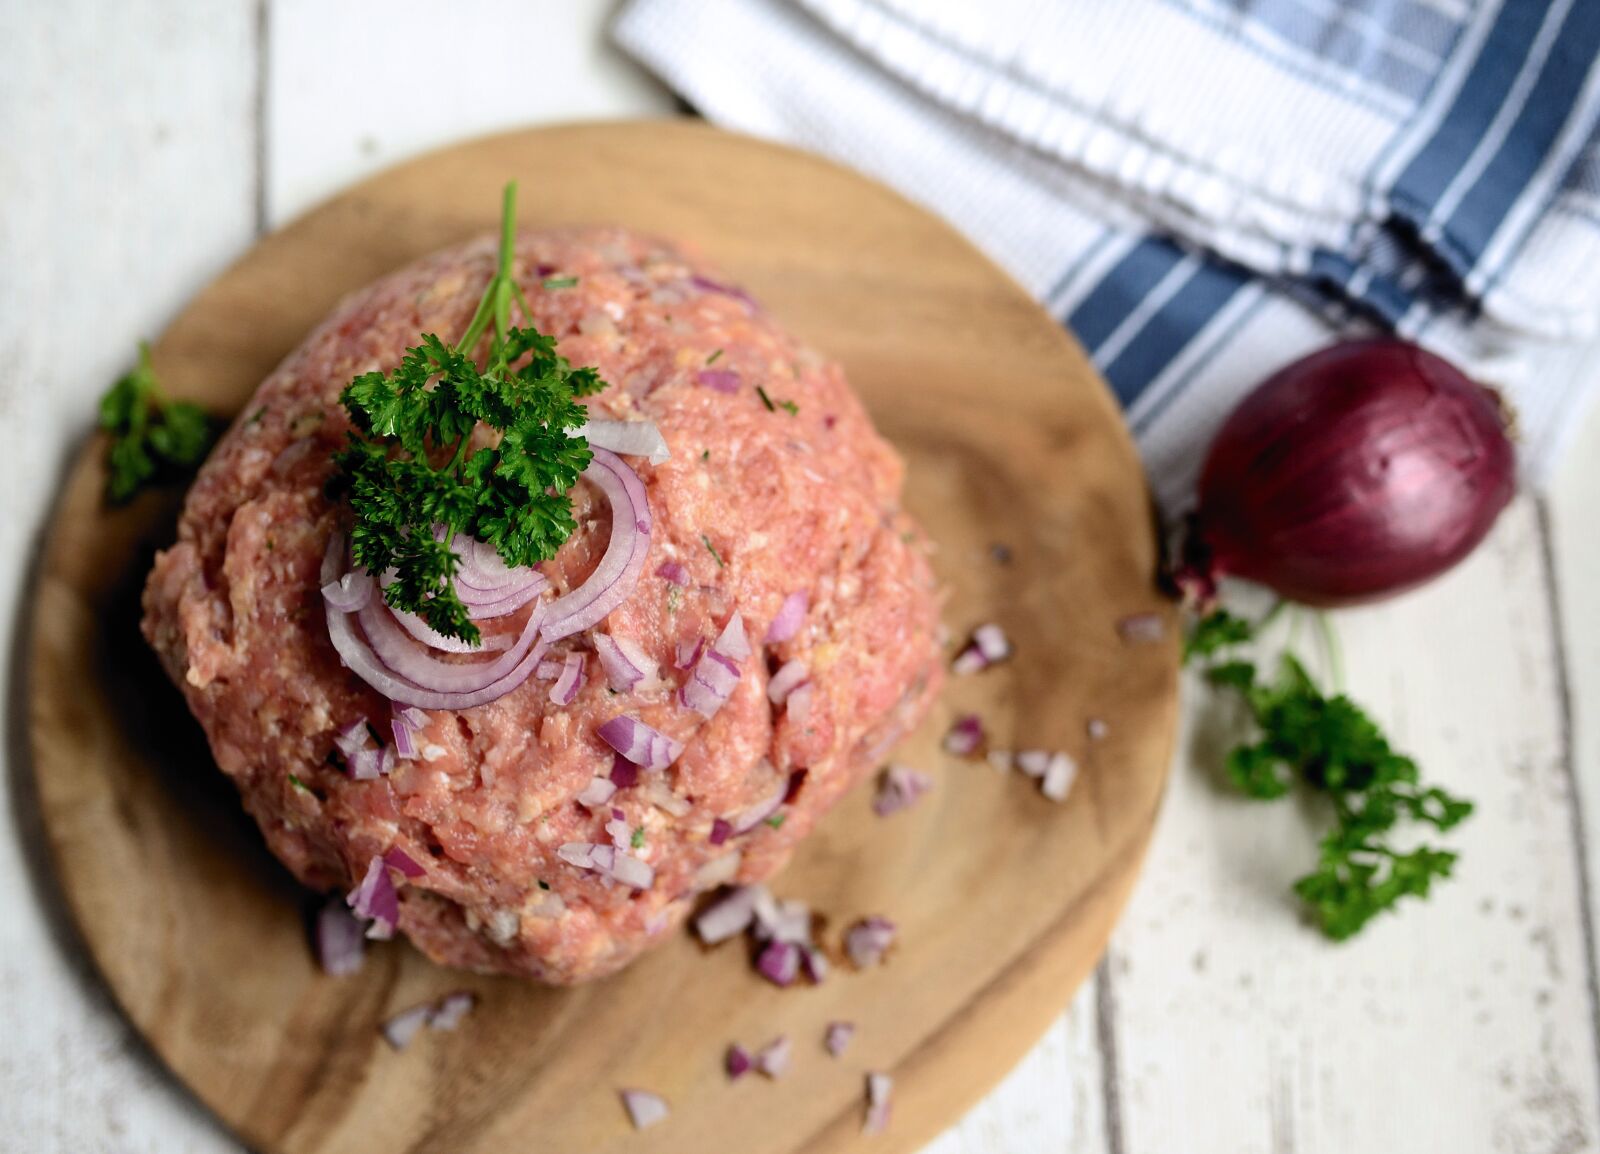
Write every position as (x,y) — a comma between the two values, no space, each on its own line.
(1359,472)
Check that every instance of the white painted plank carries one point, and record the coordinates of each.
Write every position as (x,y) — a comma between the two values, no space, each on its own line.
(1462,1024)
(359,85)
(1051,1101)
(126,176)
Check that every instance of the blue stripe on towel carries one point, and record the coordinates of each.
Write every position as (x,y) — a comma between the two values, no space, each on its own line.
(1121,290)
(1196,301)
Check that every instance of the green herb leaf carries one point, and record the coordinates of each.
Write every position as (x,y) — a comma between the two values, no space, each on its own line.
(637,840)
(560,282)
(712,359)
(412,478)
(1330,745)
(151,437)
(712,549)
(766,400)
(298,784)
(776,820)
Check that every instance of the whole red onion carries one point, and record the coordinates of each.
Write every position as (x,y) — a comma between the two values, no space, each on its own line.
(1360,471)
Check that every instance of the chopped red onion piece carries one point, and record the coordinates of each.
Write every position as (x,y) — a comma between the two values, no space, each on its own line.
(688,652)
(797,708)
(1034,762)
(375,899)
(969,660)
(641,744)
(403,863)
(1142,628)
(899,787)
(659,794)
(352,739)
(570,680)
(673,572)
(599,791)
(623,670)
(367,764)
(404,1026)
(350,592)
(721,830)
(773,1059)
(733,642)
(412,716)
(838,1037)
(405,745)
(340,946)
(751,816)
(624,774)
(992,642)
(737,1061)
(729,915)
(966,736)
(785,921)
(815,964)
(710,684)
(449,1011)
(620,832)
(614,578)
(1097,729)
(788,678)
(879,1089)
(577,853)
(791,615)
(868,940)
(630,438)
(718,871)
(1058,777)
(644,1108)
(722,380)
(631,871)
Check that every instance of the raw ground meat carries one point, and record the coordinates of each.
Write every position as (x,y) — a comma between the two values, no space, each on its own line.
(754,504)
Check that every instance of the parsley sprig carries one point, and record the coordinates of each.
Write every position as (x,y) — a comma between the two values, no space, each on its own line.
(1330,745)
(413,477)
(151,436)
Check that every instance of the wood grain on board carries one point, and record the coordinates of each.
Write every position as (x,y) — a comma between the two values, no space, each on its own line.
(1004,900)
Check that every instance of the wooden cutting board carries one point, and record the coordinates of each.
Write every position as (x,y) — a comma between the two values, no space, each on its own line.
(1004,900)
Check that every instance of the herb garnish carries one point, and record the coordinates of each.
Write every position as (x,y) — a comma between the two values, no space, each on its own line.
(298,784)
(1332,746)
(151,436)
(713,358)
(637,840)
(410,472)
(560,282)
(776,820)
(766,400)
(715,556)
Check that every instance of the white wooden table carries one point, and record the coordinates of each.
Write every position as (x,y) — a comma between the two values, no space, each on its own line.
(145,143)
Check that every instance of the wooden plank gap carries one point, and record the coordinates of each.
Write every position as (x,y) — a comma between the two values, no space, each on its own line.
(1105,1021)
(261,112)
(1569,768)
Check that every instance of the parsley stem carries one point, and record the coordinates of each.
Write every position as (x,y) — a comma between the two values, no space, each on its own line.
(495,303)
(1332,650)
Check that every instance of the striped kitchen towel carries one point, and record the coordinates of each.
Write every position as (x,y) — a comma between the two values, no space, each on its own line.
(1203,190)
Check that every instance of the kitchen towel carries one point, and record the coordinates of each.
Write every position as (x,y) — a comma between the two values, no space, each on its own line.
(1203,190)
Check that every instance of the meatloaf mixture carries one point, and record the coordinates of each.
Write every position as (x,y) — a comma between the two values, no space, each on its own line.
(763,496)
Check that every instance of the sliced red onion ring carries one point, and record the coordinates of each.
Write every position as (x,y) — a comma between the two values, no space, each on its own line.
(341,948)
(737,1061)
(482,567)
(674,572)
(966,736)
(773,1059)
(399,1030)
(349,592)
(641,744)
(570,680)
(729,915)
(412,661)
(507,602)
(838,1037)
(791,615)
(899,787)
(868,940)
(798,705)
(879,1089)
(613,580)
(451,1010)
(425,633)
(722,380)
(787,679)
(630,438)
(625,663)
(1058,777)
(644,1108)
(597,793)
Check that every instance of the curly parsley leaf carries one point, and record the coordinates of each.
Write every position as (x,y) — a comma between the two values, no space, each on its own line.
(151,437)
(414,478)
(1328,744)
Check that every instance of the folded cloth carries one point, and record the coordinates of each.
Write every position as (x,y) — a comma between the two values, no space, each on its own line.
(1203,190)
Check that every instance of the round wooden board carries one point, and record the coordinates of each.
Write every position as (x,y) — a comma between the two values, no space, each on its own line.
(1004,900)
